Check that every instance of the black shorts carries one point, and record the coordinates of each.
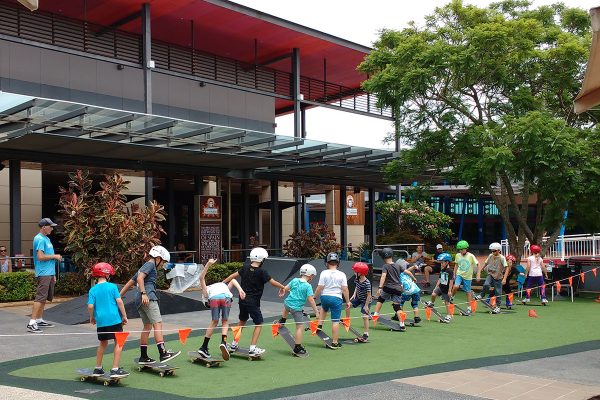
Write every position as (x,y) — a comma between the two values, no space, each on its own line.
(436,268)
(252,311)
(107,332)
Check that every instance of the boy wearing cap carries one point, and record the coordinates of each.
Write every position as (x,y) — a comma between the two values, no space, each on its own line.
(44,261)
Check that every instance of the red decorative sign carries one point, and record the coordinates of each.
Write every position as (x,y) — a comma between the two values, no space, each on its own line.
(210,235)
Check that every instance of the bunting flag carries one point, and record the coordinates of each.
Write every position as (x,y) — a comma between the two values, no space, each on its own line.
(451,308)
(594,271)
(570,281)
(528,292)
(314,325)
(582,277)
(183,335)
(375,318)
(533,313)
(511,296)
(493,301)
(402,316)
(558,286)
(346,323)
(121,337)
(237,333)
(428,313)
(275,329)
(473,307)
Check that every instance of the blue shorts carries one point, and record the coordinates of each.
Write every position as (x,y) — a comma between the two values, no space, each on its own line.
(466,284)
(364,309)
(414,299)
(220,308)
(332,304)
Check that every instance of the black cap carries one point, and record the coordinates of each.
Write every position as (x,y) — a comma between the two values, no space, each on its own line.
(46,222)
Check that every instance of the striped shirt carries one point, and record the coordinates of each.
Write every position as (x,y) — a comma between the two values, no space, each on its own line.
(363,289)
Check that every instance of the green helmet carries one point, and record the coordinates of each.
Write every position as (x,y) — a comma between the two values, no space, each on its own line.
(461,245)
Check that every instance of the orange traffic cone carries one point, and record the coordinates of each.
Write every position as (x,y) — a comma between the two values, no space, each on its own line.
(533,313)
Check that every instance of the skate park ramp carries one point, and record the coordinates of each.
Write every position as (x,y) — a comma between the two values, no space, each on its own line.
(75,311)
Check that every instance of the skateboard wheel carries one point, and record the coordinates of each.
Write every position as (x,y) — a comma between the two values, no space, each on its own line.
(82,379)
(172,372)
(207,365)
(106,383)
(162,374)
(140,369)
(249,358)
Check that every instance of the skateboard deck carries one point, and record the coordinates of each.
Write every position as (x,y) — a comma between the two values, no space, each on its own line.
(394,326)
(285,333)
(207,362)
(163,369)
(87,374)
(488,306)
(461,311)
(242,352)
(322,335)
(436,313)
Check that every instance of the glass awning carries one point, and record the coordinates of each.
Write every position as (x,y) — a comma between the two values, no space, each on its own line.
(73,129)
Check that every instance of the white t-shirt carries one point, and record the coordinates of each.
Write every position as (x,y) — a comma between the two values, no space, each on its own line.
(332,281)
(535,263)
(218,290)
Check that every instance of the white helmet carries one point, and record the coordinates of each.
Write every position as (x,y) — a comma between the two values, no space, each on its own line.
(307,270)
(159,251)
(258,254)
(496,246)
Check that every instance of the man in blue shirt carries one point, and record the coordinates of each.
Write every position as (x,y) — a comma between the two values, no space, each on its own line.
(44,261)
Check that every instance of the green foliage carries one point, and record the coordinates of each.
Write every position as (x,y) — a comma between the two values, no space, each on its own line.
(415,217)
(484,98)
(17,286)
(101,227)
(218,272)
(316,243)
(72,284)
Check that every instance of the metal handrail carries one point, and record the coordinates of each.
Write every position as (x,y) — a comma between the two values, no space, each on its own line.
(565,246)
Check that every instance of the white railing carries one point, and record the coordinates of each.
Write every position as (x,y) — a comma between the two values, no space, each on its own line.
(565,246)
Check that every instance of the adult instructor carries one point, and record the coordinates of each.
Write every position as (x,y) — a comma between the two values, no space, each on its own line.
(44,261)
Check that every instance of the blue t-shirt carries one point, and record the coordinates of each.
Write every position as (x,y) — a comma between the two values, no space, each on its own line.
(103,296)
(149,282)
(47,267)
(300,290)
(410,287)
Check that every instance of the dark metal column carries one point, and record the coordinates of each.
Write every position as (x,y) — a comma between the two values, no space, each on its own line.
(147,57)
(245,216)
(371,219)
(275,216)
(198,187)
(298,131)
(14,189)
(148,187)
(170,212)
(343,222)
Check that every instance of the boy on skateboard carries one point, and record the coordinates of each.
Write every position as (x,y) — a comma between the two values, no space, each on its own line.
(443,284)
(463,271)
(497,271)
(362,297)
(300,292)
(107,312)
(147,303)
(332,287)
(253,279)
(219,300)
(390,287)
(411,291)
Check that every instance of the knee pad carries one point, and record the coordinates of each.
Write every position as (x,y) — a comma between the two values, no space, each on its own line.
(381,300)
(396,307)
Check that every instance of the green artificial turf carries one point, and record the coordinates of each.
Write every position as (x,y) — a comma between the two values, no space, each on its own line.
(464,340)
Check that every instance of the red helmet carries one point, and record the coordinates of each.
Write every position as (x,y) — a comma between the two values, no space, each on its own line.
(361,268)
(511,258)
(535,248)
(102,269)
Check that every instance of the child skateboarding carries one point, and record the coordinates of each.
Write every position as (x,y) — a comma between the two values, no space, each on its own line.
(411,291)
(219,300)
(390,287)
(300,292)
(147,304)
(107,312)
(511,270)
(535,273)
(253,279)
(333,289)
(443,285)
(362,297)
(497,270)
(463,271)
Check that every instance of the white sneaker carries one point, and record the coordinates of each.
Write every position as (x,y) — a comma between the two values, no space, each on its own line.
(256,351)
(544,301)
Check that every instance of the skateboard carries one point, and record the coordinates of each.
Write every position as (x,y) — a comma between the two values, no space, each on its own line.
(242,352)
(394,326)
(285,333)
(358,337)
(489,306)
(207,362)
(461,310)
(407,321)
(322,335)
(86,374)
(437,313)
(163,369)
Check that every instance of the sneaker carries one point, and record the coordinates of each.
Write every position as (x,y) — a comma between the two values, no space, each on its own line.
(364,338)
(233,347)
(44,324)
(335,346)
(98,372)
(33,328)
(395,317)
(169,355)
(256,351)
(447,319)
(146,360)
(204,353)
(525,300)
(403,328)
(496,310)
(469,311)
(118,373)
(224,351)
(428,304)
(544,302)
(300,350)
(477,297)
(417,320)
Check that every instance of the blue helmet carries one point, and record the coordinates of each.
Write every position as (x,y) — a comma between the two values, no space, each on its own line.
(444,257)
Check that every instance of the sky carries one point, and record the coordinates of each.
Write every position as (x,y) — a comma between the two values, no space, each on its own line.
(355,21)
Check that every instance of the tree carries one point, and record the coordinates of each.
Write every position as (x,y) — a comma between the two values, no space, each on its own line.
(101,227)
(415,217)
(483,97)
